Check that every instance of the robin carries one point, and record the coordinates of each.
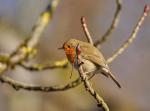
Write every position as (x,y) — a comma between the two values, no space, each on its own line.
(92,59)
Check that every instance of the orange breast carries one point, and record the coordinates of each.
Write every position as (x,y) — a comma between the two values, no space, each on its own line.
(70,53)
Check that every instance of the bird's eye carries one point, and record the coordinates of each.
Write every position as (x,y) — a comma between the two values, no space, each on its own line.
(68,46)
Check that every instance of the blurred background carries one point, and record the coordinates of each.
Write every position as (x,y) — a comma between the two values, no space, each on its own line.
(131,68)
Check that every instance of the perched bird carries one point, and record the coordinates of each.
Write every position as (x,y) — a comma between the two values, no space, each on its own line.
(92,59)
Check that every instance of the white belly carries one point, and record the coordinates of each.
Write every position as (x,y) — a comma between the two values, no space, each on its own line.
(87,66)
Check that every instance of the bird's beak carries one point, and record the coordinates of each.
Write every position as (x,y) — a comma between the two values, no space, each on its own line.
(61,48)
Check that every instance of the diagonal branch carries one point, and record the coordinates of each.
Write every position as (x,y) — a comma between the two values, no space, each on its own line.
(86,30)
(37,30)
(132,36)
(112,26)
(89,88)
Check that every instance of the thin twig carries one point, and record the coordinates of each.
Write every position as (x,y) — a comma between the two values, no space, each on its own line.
(132,36)
(37,30)
(112,26)
(39,27)
(27,46)
(86,31)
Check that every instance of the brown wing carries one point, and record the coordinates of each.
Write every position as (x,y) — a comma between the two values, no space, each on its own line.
(91,53)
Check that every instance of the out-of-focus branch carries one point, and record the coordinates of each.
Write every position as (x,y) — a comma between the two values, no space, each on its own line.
(89,88)
(112,26)
(41,67)
(131,37)
(27,47)
(86,30)
(30,87)
(37,30)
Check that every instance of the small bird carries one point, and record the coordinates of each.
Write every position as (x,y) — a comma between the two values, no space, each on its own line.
(92,59)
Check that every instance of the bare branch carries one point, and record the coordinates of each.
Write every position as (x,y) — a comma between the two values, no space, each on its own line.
(37,30)
(132,36)
(30,87)
(112,26)
(86,31)
(88,87)
(41,67)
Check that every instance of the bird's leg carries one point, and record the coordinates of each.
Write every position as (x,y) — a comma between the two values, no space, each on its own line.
(93,74)
(71,71)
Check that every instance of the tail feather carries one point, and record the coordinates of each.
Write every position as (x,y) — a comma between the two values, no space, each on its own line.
(114,79)
(109,74)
